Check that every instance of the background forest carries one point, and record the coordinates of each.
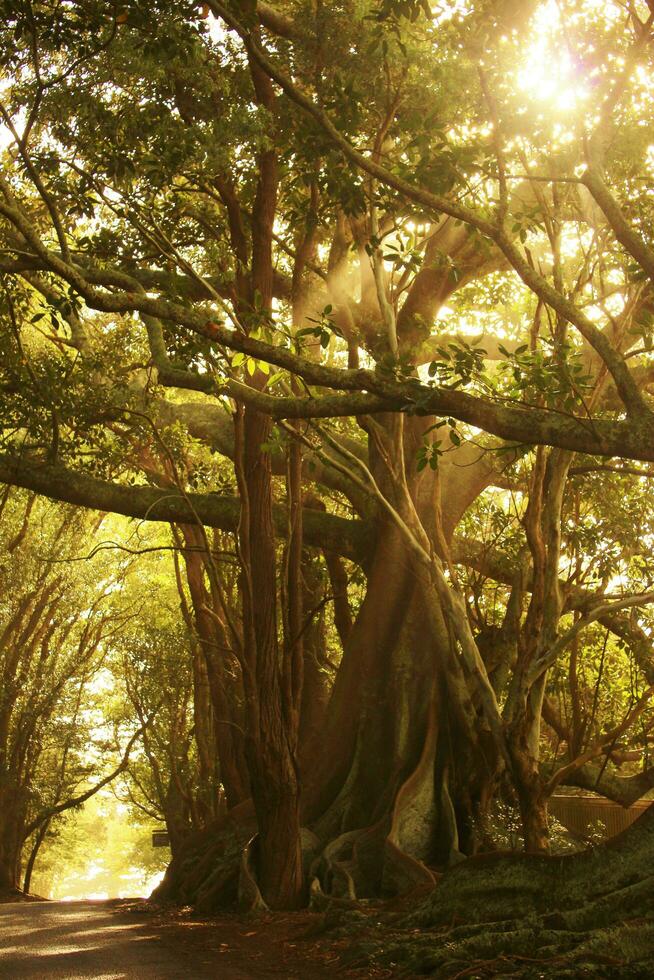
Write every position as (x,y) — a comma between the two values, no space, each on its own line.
(327,439)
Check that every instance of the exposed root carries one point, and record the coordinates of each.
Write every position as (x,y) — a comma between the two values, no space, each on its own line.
(205,873)
(249,896)
(8,895)
(589,914)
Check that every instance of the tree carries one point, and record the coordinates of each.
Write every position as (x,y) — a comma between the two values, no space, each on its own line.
(358,223)
(58,625)
(171,782)
(103,848)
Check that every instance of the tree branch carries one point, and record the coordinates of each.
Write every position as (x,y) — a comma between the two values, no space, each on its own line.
(625,384)
(632,439)
(74,801)
(350,538)
(608,738)
(625,790)
(549,658)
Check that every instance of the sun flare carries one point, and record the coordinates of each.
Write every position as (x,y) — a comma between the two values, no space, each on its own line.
(549,74)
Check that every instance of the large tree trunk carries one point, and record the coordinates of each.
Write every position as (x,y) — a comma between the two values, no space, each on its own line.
(399,769)
(404,774)
(8,876)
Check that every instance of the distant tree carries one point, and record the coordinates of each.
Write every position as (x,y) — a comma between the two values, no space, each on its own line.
(100,849)
(166,781)
(58,623)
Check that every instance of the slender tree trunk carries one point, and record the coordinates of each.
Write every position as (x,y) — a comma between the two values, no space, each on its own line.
(218,653)
(316,686)
(175,812)
(208,763)
(271,731)
(270,740)
(11,843)
(34,853)
(542,522)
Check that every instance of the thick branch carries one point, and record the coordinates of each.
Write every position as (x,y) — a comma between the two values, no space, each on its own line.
(613,213)
(275,22)
(345,537)
(622,789)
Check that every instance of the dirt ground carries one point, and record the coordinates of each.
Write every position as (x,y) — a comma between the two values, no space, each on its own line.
(289,945)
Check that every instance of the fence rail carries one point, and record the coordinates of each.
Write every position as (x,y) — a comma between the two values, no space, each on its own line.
(586,815)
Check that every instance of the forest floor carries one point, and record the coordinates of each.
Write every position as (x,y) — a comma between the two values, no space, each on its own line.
(131,940)
(137,940)
(292,945)
(384,939)
(372,940)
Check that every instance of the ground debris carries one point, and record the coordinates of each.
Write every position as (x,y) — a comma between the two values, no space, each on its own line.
(291,945)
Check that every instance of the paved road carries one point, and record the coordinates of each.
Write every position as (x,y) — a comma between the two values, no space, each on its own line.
(57,940)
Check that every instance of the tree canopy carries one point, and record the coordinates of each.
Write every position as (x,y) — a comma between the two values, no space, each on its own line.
(356,298)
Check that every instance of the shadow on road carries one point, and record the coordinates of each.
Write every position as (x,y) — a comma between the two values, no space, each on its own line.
(71,940)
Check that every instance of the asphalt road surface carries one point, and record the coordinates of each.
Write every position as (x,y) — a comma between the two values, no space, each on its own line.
(56,940)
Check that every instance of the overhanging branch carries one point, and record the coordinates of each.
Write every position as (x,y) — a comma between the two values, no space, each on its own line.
(350,538)
(632,438)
